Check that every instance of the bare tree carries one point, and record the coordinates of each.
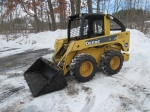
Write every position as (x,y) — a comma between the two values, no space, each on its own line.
(117,5)
(98,6)
(52,15)
(72,5)
(31,5)
(41,11)
(1,14)
(49,21)
(78,6)
(144,16)
(89,2)
(61,10)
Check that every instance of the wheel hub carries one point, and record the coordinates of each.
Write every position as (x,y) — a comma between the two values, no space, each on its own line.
(86,68)
(115,62)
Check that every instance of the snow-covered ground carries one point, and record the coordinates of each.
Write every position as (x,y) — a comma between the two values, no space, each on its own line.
(29,42)
(127,91)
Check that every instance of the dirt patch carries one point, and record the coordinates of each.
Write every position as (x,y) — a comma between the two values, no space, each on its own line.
(8,64)
(86,89)
(72,89)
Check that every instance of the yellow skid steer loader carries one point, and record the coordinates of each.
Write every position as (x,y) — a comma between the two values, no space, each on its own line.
(89,46)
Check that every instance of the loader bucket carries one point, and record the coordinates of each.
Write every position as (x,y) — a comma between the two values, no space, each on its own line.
(44,77)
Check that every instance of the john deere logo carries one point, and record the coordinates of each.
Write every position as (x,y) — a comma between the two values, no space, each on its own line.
(91,42)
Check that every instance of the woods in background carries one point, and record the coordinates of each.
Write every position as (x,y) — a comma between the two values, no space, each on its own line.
(19,16)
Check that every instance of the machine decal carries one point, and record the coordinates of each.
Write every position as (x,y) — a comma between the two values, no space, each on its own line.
(100,40)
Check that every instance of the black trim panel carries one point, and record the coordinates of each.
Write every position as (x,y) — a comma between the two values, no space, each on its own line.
(101,40)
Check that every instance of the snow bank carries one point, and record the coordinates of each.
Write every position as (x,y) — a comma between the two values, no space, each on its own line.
(40,40)
(30,42)
(139,42)
(43,39)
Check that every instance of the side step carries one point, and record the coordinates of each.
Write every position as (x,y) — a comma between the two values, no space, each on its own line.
(44,77)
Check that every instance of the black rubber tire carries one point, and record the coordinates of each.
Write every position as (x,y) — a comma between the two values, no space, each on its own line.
(105,62)
(76,63)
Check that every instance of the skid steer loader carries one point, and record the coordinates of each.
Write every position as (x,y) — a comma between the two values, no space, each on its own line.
(89,46)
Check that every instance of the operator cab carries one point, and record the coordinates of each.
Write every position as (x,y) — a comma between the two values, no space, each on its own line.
(83,26)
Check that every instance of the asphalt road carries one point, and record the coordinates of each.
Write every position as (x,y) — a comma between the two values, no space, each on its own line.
(21,60)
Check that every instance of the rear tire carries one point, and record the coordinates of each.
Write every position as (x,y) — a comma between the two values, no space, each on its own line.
(111,62)
(83,67)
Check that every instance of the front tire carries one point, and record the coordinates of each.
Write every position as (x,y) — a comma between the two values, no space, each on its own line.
(83,67)
(112,62)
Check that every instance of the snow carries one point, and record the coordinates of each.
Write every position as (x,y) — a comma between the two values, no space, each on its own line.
(30,42)
(127,91)
(147,21)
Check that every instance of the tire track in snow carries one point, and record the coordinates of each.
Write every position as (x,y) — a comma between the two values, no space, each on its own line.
(89,103)
(16,101)
(13,93)
(74,89)
(131,94)
(61,104)
(136,91)
(89,99)
(8,93)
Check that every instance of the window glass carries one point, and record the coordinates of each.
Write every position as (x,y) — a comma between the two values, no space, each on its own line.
(97,26)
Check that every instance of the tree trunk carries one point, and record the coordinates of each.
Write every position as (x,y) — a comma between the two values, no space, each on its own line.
(142,25)
(1,28)
(89,6)
(36,18)
(11,27)
(78,4)
(61,15)
(49,23)
(98,6)
(144,16)
(52,15)
(72,7)
(130,18)
(37,23)
(42,19)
